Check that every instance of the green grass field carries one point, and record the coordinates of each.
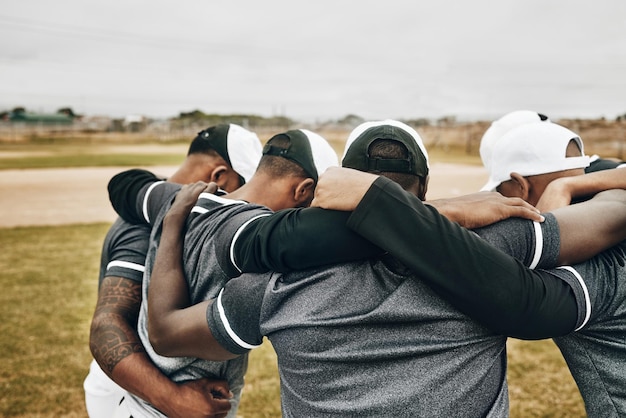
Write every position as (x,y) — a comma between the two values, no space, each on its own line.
(49,280)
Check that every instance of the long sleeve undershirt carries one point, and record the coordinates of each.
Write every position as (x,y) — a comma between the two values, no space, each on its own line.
(482,281)
(290,239)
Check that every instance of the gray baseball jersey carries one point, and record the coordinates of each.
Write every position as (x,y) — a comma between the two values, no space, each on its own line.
(593,342)
(370,339)
(123,255)
(596,354)
(206,262)
(124,251)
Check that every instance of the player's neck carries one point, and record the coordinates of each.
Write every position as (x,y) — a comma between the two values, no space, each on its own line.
(263,190)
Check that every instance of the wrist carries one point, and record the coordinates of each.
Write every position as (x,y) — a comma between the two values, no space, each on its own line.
(166,398)
(174,219)
(454,213)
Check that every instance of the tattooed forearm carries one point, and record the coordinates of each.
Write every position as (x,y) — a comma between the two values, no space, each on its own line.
(114,325)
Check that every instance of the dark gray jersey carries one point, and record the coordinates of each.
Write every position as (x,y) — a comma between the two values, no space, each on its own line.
(594,345)
(596,351)
(596,354)
(366,339)
(377,339)
(124,251)
(206,259)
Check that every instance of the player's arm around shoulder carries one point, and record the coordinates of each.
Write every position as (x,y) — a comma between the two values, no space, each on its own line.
(117,348)
(113,334)
(175,327)
(593,226)
(562,191)
(138,195)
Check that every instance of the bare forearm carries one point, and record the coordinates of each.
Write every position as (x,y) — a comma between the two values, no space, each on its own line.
(485,208)
(591,227)
(175,327)
(168,287)
(168,292)
(135,372)
(562,191)
(596,182)
(113,334)
(116,346)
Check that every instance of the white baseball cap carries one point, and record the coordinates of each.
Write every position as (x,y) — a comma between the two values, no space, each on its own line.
(532,149)
(503,125)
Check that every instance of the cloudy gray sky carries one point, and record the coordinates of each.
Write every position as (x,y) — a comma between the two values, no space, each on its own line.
(317,59)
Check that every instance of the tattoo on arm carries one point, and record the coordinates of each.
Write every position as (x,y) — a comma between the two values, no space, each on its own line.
(114,326)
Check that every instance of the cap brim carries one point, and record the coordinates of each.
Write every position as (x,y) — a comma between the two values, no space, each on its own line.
(491,185)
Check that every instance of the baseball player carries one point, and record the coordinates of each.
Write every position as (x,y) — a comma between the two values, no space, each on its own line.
(226,154)
(285,177)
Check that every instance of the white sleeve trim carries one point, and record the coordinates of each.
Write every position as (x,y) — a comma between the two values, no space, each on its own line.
(145,200)
(220,199)
(585,292)
(228,328)
(236,236)
(538,245)
(199,209)
(217,199)
(126,265)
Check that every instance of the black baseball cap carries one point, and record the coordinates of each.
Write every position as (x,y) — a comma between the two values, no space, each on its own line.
(299,150)
(238,146)
(357,156)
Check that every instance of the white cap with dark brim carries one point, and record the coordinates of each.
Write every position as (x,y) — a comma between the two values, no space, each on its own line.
(533,149)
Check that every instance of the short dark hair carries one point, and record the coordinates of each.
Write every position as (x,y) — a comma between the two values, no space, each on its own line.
(277,166)
(389,148)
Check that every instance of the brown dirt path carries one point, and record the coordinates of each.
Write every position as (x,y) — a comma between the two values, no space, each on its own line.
(58,196)
(78,195)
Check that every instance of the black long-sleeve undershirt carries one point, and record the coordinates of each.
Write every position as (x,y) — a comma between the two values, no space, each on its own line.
(290,239)
(482,281)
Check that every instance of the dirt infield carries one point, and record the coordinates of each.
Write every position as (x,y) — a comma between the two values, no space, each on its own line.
(58,196)
(79,195)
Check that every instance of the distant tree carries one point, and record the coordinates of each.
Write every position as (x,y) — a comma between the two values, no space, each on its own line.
(194,114)
(201,119)
(418,122)
(19,109)
(446,121)
(67,111)
(351,120)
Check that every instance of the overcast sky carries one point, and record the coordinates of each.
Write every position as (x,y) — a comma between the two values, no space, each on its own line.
(317,59)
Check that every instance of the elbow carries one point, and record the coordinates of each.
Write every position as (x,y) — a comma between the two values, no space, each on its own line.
(161,345)
(513,324)
(531,327)
(160,340)
(158,345)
